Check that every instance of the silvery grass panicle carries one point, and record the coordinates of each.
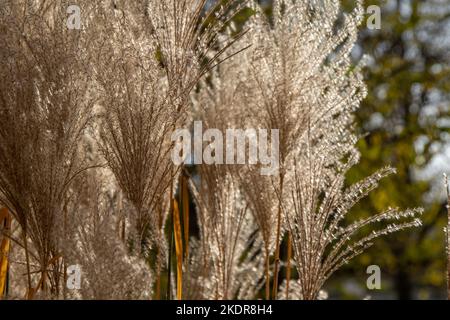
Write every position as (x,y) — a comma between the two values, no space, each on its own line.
(135,119)
(227,232)
(187,34)
(45,104)
(319,203)
(227,219)
(108,269)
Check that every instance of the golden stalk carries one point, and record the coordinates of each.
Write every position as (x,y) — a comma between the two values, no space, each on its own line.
(185,207)
(288,266)
(178,248)
(5,221)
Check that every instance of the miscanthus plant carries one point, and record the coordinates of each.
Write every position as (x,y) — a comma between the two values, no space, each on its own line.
(85,149)
(297,76)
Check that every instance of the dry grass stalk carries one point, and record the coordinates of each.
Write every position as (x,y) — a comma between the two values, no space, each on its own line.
(178,248)
(288,264)
(185,207)
(5,229)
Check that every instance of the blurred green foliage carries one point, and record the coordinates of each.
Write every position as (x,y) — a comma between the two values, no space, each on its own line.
(405,69)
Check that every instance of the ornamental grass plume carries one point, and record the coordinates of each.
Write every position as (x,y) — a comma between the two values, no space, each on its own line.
(109,271)
(188,34)
(45,103)
(135,120)
(244,227)
(229,241)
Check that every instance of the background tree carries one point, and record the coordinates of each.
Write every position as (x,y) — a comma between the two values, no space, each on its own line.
(405,123)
